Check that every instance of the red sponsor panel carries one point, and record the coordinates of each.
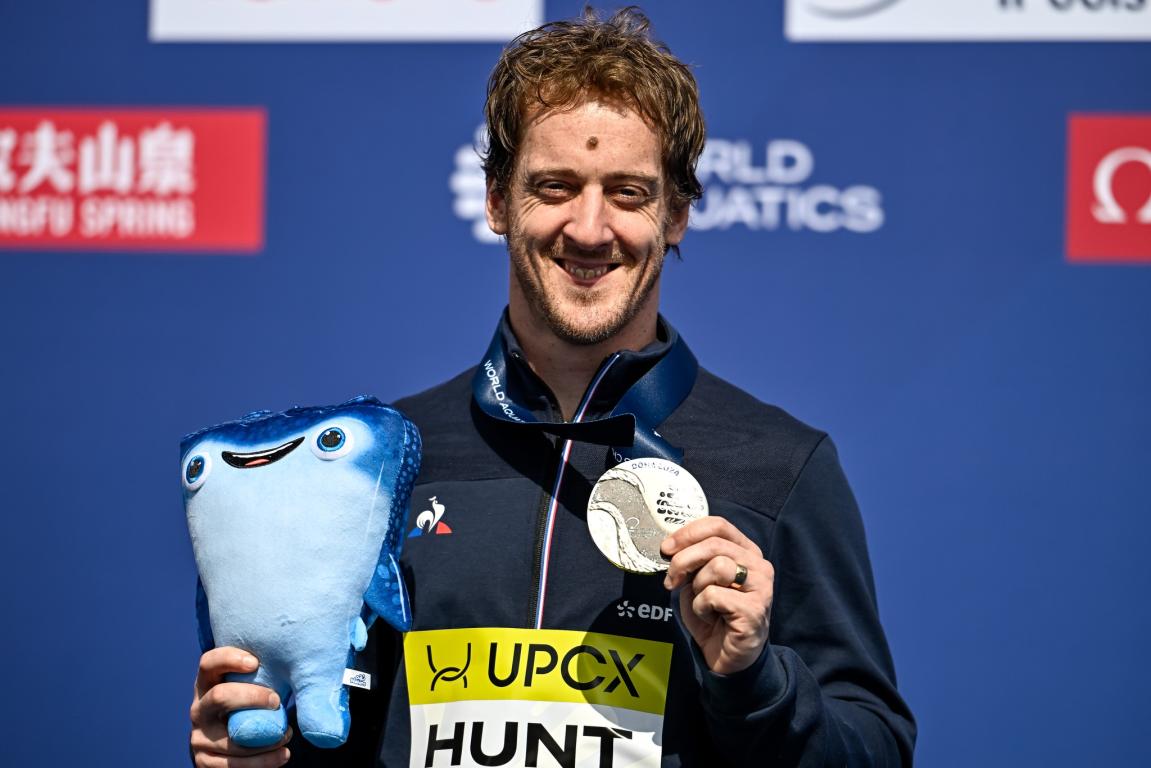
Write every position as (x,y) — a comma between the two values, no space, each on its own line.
(1109,188)
(116,179)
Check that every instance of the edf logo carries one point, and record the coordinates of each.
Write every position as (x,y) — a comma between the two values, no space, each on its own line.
(625,609)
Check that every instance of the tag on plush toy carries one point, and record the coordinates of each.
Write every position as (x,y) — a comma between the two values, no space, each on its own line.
(297,522)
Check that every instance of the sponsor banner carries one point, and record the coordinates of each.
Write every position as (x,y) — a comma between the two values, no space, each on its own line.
(410,20)
(958,20)
(171,179)
(1109,188)
(491,696)
(750,185)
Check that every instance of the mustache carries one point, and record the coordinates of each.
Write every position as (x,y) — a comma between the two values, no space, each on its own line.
(559,250)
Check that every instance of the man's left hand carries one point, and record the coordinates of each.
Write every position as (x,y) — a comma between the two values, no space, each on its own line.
(728,619)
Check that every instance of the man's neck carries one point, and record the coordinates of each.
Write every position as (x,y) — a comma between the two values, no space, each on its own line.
(568,368)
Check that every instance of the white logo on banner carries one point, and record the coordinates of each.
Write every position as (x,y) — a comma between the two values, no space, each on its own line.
(1107,209)
(738,192)
(774,193)
(145,179)
(424,21)
(895,20)
(469,187)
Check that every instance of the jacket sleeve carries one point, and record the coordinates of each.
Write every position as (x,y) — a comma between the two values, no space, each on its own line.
(823,692)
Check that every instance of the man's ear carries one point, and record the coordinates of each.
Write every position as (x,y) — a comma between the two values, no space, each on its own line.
(676,225)
(496,209)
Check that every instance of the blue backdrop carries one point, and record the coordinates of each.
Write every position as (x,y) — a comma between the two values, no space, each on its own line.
(990,400)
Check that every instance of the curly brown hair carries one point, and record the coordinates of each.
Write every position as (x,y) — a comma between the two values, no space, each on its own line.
(563,64)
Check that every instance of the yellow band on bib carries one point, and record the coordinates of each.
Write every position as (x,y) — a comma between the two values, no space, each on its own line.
(495,664)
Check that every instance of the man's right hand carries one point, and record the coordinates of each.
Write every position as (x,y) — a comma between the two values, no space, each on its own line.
(215,699)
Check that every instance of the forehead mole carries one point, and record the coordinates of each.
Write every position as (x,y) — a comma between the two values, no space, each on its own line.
(592,142)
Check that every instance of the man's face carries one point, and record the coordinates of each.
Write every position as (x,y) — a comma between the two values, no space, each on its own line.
(587,219)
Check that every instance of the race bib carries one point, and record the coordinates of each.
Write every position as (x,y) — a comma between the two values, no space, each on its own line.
(491,696)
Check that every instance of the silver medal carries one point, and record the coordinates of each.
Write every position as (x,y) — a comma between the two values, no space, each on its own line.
(635,505)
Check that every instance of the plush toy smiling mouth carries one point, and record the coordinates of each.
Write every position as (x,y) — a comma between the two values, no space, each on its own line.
(260,458)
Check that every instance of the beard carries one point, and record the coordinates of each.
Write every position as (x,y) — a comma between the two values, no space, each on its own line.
(582,317)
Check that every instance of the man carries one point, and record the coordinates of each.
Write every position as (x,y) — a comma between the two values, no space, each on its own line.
(761,645)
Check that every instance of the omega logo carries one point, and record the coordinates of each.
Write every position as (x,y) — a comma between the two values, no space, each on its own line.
(1107,209)
(848,9)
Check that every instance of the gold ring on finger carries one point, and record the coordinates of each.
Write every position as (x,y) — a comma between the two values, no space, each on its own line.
(740,576)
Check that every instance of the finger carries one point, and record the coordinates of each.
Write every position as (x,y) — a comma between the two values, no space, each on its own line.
(712,526)
(688,561)
(741,613)
(265,760)
(214,730)
(733,628)
(695,625)
(225,698)
(218,743)
(216,663)
(724,571)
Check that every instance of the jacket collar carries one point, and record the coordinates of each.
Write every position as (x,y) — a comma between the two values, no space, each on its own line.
(625,372)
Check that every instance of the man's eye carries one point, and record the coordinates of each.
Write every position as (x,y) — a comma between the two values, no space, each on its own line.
(632,195)
(553,189)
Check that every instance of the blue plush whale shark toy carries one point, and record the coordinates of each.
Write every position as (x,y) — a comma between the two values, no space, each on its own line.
(297,521)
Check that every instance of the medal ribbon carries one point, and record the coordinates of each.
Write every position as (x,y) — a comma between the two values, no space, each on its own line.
(629,428)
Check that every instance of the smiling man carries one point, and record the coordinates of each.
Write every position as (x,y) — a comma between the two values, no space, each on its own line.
(588,223)
(761,644)
(588,220)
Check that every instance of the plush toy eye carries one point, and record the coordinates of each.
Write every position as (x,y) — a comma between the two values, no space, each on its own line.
(331,439)
(332,443)
(196,470)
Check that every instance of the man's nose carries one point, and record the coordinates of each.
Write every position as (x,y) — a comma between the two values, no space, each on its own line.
(589,227)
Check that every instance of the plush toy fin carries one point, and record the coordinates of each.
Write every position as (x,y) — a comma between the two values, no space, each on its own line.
(203,620)
(359,634)
(257,727)
(387,596)
(322,715)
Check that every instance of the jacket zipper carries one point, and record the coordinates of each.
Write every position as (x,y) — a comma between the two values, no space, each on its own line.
(541,530)
(545,531)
